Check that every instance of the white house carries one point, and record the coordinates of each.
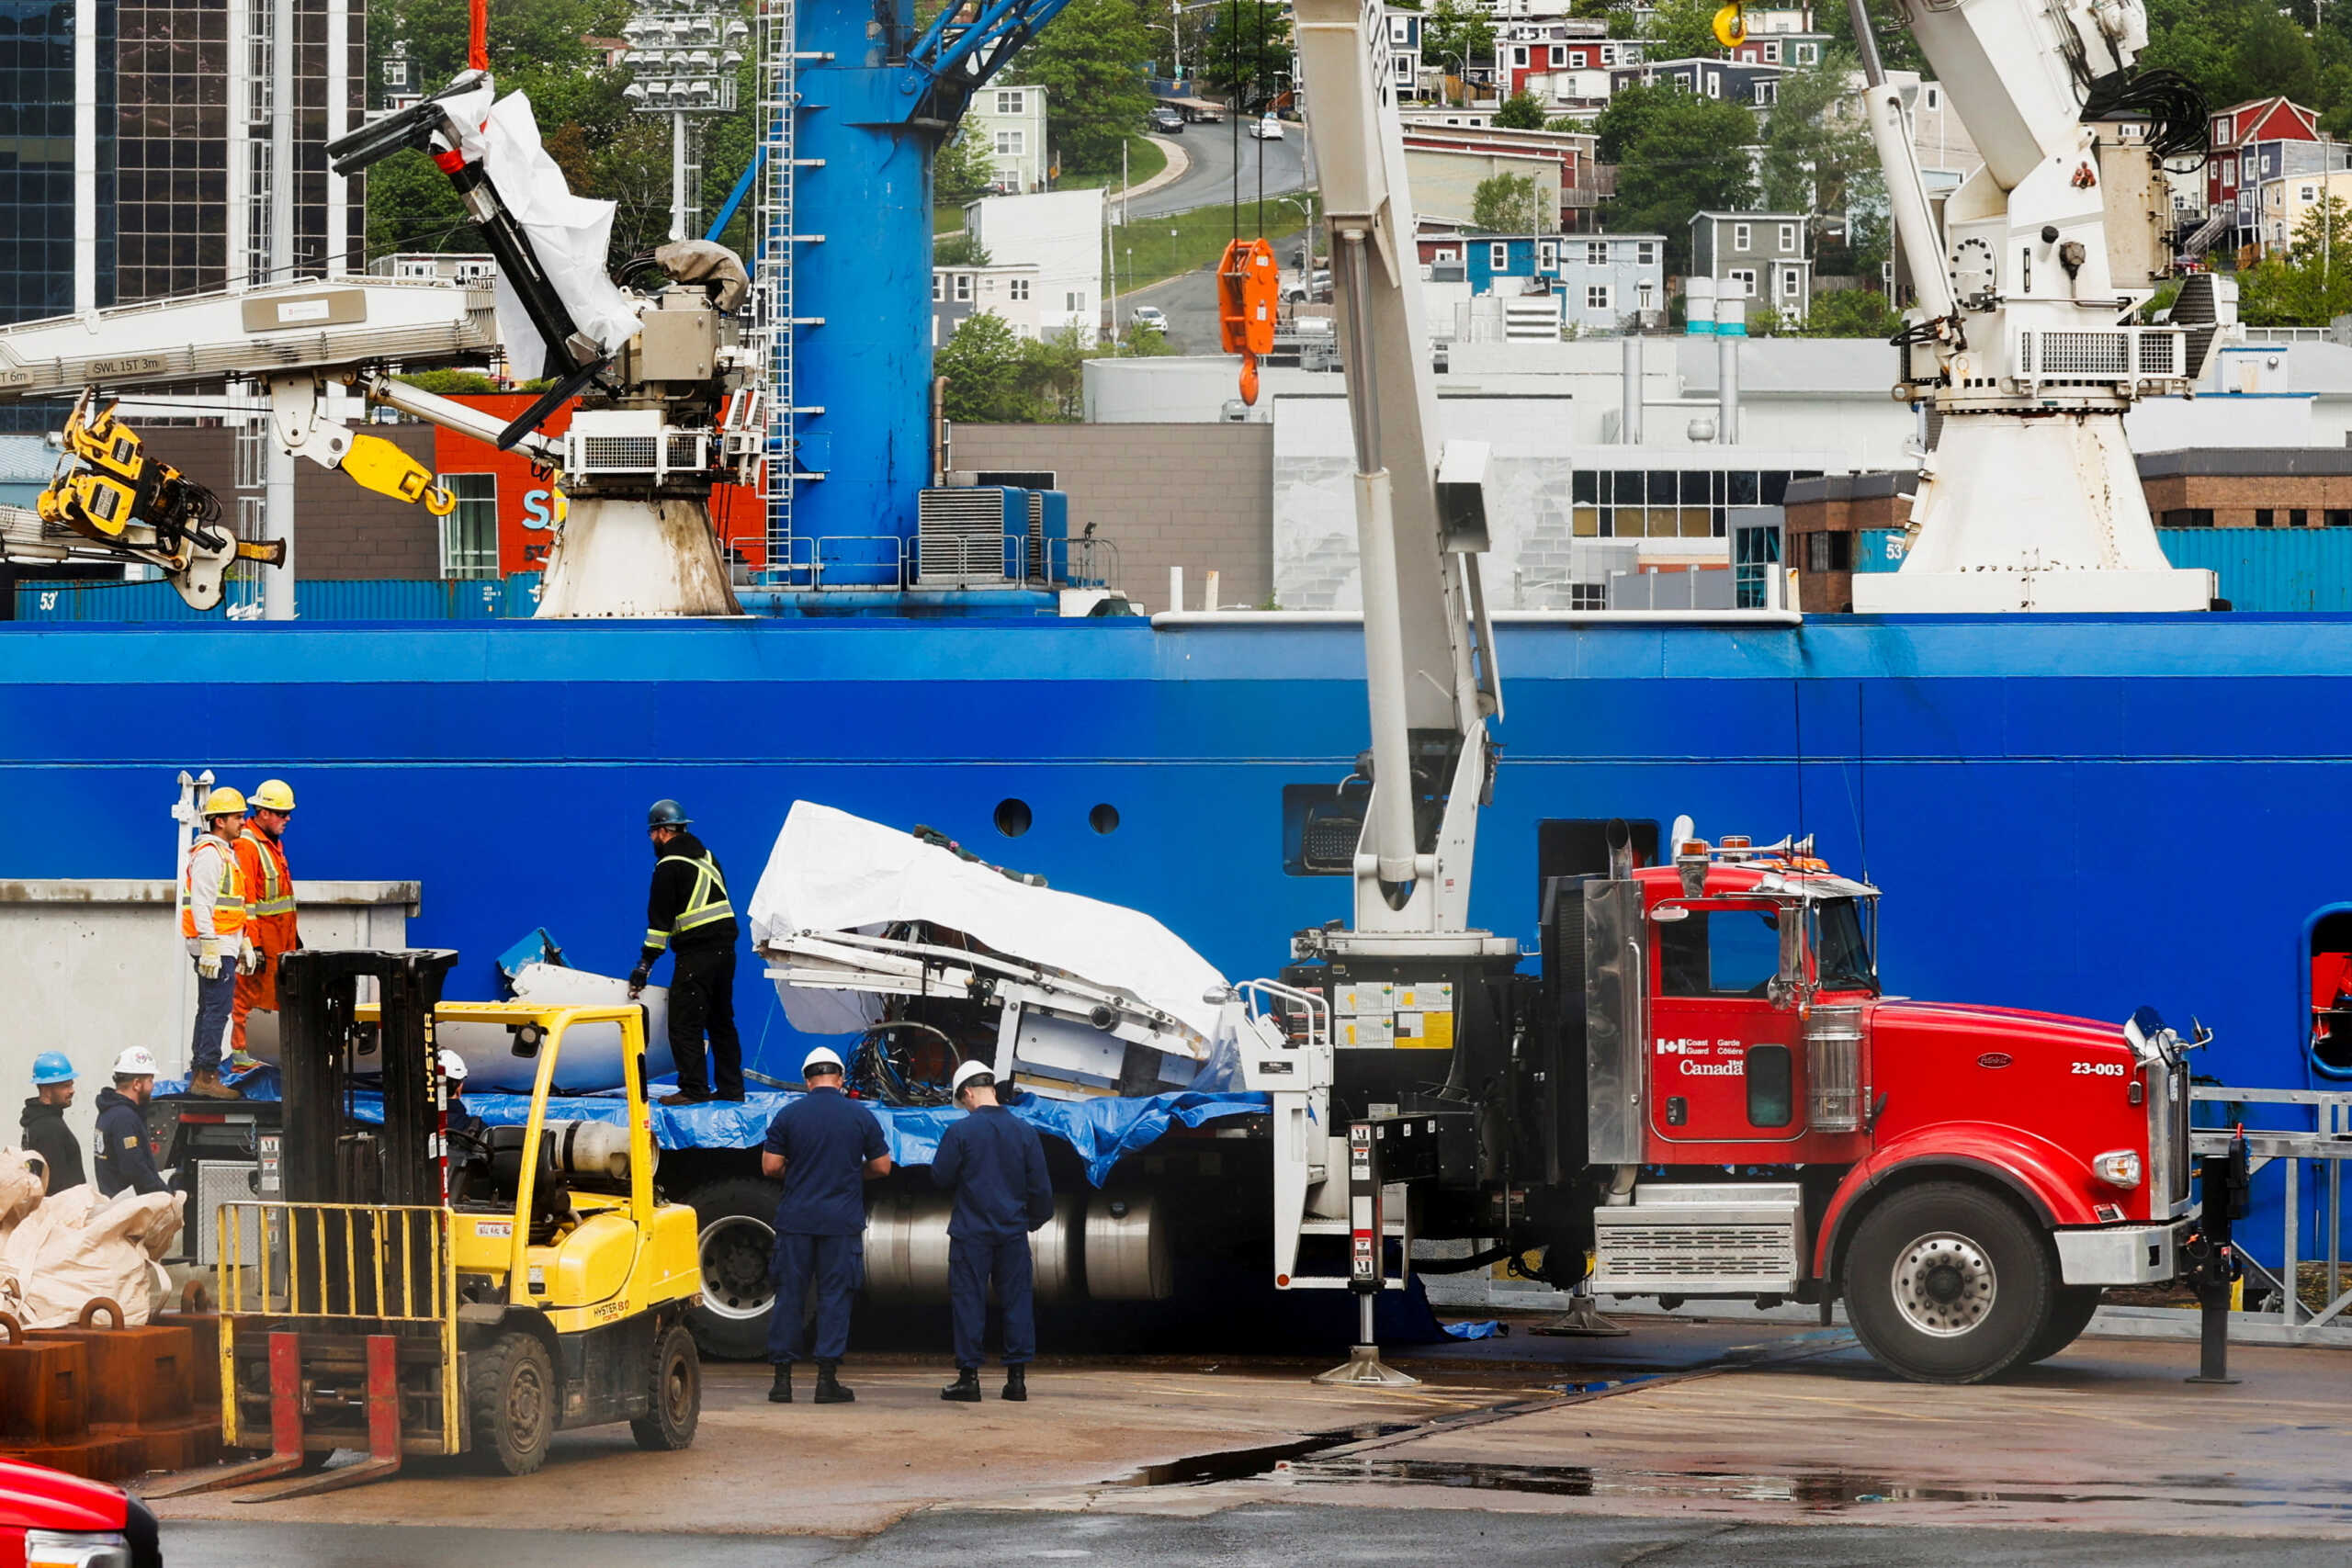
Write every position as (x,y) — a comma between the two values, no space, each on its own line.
(959,293)
(1060,234)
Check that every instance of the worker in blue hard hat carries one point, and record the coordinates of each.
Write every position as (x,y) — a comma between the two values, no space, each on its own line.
(825,1146)
(46,1133)
(687,915)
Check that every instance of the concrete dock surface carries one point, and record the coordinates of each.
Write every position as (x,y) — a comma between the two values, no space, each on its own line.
(1689,1441)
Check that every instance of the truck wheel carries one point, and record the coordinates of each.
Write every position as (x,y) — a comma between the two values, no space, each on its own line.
(668,1424)
(737,1217)
(510,1388)
(2070,1313)
(1947,1283)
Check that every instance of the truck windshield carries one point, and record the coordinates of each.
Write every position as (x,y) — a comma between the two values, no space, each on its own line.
(1844,934)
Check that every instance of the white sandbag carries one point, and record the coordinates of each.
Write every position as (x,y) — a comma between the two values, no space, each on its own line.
(21,1186)
(76,1247)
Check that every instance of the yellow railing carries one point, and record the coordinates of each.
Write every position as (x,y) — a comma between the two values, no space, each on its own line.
(343,1264)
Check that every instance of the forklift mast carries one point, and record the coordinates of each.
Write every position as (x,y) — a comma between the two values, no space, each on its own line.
(330,1157)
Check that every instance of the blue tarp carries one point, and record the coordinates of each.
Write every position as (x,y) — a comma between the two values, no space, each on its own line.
(1102,1131)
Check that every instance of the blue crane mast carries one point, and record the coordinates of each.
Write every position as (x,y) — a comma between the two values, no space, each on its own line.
(854,101)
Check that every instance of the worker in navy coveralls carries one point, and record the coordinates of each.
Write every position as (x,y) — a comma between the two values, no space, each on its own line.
(826,1146)
(996,1167)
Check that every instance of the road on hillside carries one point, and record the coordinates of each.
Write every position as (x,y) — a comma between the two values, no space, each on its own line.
(1209,181)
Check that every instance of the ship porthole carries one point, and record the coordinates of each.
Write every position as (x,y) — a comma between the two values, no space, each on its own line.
(1103,818)
(1012,817)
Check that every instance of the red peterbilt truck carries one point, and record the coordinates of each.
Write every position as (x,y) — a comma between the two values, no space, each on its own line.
(1707,1095)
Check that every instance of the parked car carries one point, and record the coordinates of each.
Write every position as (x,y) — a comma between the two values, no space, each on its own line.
(1150,317)
(1266,127)
(1168,122)
(47,1516)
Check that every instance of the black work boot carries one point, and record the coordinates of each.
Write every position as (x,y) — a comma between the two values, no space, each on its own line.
(966,1389)
(780,1391)
(1016,1384)
(829,1387)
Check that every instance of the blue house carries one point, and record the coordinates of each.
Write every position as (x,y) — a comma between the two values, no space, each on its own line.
(1602,282)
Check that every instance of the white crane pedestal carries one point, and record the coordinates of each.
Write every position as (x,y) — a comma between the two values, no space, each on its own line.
(2032,512)
(625,558)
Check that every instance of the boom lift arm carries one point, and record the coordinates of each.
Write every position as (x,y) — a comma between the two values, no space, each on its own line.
(1420,515)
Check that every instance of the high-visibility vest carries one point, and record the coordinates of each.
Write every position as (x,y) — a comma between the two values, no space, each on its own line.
(708,903)
(227,903)
(276,887)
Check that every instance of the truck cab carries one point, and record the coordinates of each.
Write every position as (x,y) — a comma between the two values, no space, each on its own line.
(1762,1122)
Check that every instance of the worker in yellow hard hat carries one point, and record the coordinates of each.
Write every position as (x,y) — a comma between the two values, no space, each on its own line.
(269,917)
(212,921)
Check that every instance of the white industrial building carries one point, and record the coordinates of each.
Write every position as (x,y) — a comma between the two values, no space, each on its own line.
(1060,234)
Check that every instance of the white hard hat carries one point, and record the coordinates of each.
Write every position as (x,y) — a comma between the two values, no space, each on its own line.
(969,1071)
(453,1066)
(822,1056)
(136,1062)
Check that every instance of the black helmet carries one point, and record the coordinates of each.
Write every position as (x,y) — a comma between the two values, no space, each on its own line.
(667,814)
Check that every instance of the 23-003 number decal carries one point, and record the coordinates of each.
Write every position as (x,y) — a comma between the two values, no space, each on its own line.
(2101,1069)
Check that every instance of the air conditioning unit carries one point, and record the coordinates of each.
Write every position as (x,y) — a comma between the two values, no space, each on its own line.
(991,536)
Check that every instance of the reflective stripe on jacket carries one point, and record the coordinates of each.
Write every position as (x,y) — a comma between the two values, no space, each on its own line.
(212,900)
(261,863)
(706,906)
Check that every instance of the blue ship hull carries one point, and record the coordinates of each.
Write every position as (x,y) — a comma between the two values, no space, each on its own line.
(2082,814)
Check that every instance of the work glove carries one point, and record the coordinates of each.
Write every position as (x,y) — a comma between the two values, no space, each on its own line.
(249,959)
(207,958)
(637,978)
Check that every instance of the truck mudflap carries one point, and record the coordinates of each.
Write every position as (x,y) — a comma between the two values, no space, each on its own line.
(2119,1254)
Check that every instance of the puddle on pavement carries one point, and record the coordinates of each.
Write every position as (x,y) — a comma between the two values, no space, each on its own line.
(1241,1464)
(1813,1492)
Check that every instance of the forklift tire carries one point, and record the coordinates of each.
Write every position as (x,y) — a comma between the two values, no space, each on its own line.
(1946,1282)
(669,1425)
(2070,1313)
(510,1388)
(736,1222)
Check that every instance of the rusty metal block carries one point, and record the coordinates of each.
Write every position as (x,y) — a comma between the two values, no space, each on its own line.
(110,1458)
(44,1390)
(139,1377)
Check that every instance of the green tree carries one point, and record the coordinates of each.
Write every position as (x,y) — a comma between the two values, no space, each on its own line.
(1848,312)
(1521,111)
(1089,60)
(1505,203)
(983,364)
(1248,52)
(964,169)
(2311,285)
(1457,35)
(1896,46)
(1818,157)
(1631,109)
(959,249)
(1053,376)
(1690,156)
(1684,29)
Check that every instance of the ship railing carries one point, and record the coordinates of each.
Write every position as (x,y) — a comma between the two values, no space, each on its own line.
(868,561)
(2131,361)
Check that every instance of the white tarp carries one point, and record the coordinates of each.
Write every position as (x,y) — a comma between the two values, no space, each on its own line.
(832,872)
(77,1247)
(568,233)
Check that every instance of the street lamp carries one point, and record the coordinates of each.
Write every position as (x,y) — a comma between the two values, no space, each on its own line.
(681,57)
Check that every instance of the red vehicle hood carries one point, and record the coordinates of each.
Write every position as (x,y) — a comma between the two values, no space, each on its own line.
(33,1496)
(2005,1025)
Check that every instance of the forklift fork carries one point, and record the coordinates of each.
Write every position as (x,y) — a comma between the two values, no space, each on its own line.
(383,1429)
(284,1430)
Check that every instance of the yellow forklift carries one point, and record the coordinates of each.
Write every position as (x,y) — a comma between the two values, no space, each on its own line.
(399,1287)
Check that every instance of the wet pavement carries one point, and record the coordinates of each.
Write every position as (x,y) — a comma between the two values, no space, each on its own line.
(1689,1441)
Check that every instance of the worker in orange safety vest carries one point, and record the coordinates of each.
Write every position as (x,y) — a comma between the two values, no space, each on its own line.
(269,911)
(212,921)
